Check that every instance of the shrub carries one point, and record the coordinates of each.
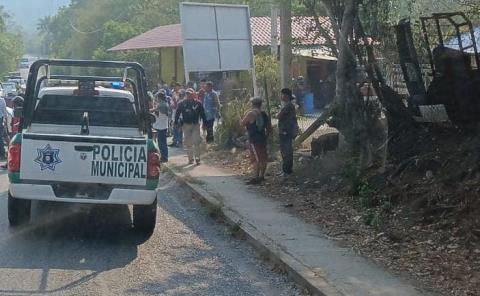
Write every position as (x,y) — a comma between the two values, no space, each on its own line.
(229,129)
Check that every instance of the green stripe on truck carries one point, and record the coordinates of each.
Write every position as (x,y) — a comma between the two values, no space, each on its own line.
(152,184)
(17,139)
(14,177)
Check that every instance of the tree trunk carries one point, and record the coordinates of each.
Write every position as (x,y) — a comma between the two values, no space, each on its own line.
(352,119)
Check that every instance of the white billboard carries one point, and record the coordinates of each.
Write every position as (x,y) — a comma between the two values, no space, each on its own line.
(216,37)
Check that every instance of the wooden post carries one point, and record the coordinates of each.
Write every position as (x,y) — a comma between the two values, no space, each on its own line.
(159,64)
(285,42)
(274,30)
(267,97)
(175,63)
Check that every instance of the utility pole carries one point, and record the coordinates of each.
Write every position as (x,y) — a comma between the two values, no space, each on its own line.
(285,42)
(274,29)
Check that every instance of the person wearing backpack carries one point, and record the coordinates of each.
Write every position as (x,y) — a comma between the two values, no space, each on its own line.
(288,130)
(258,127)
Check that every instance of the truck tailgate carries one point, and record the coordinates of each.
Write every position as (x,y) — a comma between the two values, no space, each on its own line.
(84,159)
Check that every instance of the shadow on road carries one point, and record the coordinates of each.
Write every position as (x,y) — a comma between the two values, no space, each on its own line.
(68,237)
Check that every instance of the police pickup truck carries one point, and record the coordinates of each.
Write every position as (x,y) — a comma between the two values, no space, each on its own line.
(84,139)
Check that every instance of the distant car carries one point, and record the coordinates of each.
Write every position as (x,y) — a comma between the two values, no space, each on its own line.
(9,92)
(18,80)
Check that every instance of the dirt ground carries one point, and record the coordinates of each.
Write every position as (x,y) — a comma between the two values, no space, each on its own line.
(422,217)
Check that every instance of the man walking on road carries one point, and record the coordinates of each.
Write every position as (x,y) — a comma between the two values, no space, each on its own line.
(211,104)
(191,111)
(258,126)
(288,129)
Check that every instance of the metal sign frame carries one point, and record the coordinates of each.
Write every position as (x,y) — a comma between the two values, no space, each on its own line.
(215,37)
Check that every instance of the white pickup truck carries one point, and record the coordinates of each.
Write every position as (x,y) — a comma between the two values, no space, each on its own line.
(86,142)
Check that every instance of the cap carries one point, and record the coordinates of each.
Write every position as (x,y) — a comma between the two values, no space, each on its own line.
(190,91)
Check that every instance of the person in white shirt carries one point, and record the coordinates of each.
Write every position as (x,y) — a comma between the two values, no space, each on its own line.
(3,117)
(162,112)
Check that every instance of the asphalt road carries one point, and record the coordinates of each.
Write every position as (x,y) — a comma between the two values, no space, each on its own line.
(84,250)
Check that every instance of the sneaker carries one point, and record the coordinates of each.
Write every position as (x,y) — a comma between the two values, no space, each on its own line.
(197,161)
(163,160)
(190,161)
(173,145)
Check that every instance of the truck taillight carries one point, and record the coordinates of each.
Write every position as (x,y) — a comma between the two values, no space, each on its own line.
(153,165)
(14,152)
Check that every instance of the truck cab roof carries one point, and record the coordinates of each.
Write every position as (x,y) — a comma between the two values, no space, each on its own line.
(69,90)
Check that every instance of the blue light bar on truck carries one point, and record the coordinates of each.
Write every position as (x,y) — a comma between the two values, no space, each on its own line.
(118,85)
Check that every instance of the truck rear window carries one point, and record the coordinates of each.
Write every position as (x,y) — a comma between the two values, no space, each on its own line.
(102,111)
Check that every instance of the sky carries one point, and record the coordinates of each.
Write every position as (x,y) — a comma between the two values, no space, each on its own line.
(26,13)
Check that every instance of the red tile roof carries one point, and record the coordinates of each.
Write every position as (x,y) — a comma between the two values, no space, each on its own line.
(303,30)
(303,33)
(159,37)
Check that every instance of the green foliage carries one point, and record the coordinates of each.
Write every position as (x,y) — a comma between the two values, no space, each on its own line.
(366,195)
(375,207)
(268,73)
(11,46)
(86,29)
(11,49)
(230,128)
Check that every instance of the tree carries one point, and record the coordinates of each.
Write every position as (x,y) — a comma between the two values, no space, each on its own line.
(11,47)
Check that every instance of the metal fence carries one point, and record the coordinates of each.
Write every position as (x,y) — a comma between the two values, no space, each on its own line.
(394,76)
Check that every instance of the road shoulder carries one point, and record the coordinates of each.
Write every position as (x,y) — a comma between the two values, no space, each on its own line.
(309,257)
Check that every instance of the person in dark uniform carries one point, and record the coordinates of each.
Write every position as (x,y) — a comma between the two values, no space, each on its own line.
(288,130)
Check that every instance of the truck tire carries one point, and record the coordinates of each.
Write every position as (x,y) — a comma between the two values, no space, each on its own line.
(145,218)
(18,210)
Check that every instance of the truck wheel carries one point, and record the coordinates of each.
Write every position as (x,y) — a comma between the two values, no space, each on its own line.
(18,210)
(145,218)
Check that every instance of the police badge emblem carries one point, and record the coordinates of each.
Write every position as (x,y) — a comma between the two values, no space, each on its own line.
(48,158)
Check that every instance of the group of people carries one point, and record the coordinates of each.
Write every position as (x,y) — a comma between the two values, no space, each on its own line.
(180,110)
(259,127)
(188,111)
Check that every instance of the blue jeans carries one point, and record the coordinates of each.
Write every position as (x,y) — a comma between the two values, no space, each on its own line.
(162,144)
(178,136)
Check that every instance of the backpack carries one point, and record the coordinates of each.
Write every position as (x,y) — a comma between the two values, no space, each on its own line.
(260,122)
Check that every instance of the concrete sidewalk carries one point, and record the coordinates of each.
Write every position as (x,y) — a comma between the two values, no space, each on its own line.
(309,257)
